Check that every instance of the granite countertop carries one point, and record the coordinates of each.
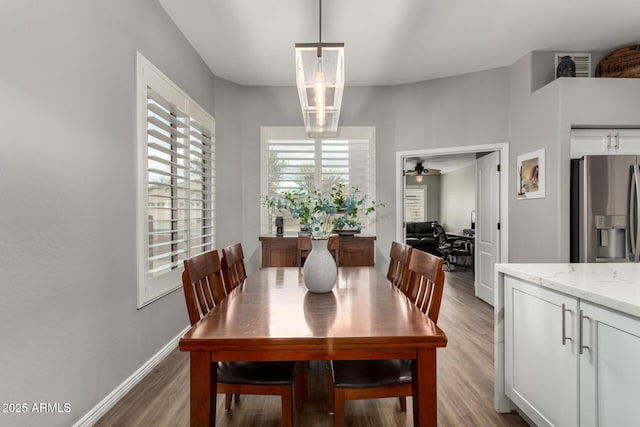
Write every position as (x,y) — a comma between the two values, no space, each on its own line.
(613,285)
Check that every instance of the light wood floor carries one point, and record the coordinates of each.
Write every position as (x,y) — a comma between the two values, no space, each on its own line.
(465,383)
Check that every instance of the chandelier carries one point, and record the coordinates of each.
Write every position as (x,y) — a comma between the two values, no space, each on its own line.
(320,82)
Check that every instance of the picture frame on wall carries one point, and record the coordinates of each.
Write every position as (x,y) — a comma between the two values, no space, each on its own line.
(530,169)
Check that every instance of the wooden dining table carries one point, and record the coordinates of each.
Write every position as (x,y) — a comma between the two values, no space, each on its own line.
(273,317)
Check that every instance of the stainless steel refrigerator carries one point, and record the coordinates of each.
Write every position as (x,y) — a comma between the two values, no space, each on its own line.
(604,209)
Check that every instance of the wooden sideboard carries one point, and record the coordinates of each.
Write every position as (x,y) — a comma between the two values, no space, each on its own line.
(355,250)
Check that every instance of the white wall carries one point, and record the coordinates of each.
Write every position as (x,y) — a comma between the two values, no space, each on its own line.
(70,330)
(458,198)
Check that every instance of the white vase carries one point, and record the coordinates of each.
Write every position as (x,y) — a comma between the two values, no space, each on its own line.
(319,269)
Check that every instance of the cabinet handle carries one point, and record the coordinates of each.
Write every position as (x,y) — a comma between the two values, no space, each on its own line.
(609,140)
(617,143)
(581,345)
(565,338)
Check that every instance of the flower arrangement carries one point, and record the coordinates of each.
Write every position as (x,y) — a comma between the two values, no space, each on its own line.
(321,213)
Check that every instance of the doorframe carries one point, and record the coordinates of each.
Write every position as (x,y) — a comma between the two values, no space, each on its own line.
(502,148)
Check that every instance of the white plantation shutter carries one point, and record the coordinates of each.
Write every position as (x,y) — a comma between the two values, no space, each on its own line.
(176,188)
(414,204)
(201,182)
(290,158)
(291,163)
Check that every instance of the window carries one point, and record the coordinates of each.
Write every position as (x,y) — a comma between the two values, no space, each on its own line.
(414,202)
(176,192)
(290,158)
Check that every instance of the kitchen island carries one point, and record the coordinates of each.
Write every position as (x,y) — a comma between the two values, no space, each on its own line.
(567,343)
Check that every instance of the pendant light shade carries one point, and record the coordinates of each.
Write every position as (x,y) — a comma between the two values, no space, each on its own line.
(320,82)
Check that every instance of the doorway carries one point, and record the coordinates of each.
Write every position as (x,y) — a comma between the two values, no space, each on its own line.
(491,227)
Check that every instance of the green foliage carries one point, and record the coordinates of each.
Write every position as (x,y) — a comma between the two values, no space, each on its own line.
(321,213)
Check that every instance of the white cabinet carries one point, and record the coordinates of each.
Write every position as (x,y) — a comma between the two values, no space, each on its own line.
(609,368)
(569,362)
(604,141)
(541,367)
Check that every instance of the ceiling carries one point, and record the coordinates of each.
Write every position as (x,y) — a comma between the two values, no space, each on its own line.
(251,42)
(445,163)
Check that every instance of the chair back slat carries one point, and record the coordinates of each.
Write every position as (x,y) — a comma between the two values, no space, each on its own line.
(303,247)
(333,245)
(398,263)
(426,282)
(202,284)
(233,269)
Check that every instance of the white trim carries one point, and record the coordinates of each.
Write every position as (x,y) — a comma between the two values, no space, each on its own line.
(296,132)
(151,289)
(98,411)
(503,148)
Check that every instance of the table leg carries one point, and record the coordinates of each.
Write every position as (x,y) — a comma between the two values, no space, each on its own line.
(425,398)
(203,389)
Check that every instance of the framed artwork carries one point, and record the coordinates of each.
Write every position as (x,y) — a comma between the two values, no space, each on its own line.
(531,175)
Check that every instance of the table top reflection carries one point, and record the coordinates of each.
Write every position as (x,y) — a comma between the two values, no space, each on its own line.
(274,307)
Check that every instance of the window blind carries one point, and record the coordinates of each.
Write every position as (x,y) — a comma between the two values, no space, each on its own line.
(414,204)
(290,159)
(177,182)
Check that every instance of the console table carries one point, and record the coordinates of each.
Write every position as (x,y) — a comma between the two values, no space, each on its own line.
(355,251)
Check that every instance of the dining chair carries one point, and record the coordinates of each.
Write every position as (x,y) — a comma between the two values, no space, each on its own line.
(303,248)
(233,269)
(203,290)
(398,264)
(333,245)
(374,379)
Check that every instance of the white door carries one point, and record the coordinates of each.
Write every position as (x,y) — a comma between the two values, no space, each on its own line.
(487,244)
(609,368)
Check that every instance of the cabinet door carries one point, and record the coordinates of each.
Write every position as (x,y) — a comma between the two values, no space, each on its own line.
(356,251)
(609,368)
(626,141)
(590,142)
(279,252)
(541,366)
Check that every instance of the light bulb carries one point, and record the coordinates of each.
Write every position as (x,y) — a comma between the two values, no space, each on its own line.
(320,93)
(419,178)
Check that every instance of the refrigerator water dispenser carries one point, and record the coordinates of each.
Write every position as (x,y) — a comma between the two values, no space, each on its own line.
(611,235)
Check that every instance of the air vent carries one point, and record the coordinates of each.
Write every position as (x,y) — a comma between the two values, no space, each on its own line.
(582,60)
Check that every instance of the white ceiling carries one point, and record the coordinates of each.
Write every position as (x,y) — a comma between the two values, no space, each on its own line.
(390,42)
(445,163)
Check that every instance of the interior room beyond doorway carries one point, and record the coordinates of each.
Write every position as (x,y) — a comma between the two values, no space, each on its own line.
(447,189)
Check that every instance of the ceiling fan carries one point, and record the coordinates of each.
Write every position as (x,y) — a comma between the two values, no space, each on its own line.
(420,170)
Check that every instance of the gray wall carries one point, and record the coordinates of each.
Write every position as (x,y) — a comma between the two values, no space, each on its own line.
(539,228)
(458,198)
(70,330)
(533,224)
(470,109)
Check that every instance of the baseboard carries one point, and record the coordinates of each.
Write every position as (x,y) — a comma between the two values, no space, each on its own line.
(91,417)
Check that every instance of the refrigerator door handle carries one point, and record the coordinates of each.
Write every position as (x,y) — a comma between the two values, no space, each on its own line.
(633,197)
